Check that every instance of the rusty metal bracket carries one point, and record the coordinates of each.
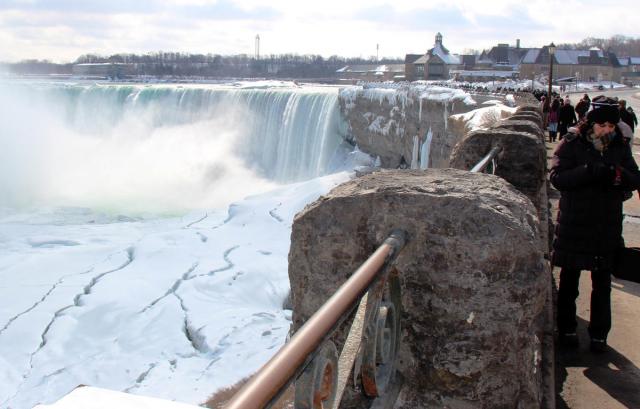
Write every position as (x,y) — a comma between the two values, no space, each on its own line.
(316,387)
(299,354)
(381,337)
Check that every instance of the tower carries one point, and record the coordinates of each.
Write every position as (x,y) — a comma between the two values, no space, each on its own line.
(257,46)
(439,38)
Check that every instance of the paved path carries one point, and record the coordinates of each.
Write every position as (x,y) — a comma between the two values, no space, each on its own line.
(612,380)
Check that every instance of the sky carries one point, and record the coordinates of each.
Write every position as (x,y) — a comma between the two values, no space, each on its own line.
(62,30)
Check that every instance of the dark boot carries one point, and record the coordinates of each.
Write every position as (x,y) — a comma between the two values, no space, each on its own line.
(598,346)
(569,341)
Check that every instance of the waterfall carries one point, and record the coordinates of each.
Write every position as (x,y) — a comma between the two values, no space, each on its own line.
(425,150)
(73,140)
(288,134)
(415,152)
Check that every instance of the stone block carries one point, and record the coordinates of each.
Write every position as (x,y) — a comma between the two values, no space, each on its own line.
(514,123)
(529,116)
(522,161)
(472,274)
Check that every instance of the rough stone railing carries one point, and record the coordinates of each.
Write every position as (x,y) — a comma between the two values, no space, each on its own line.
(473,279)
(522,161)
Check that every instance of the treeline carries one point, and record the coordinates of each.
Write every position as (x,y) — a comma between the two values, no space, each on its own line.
(174,64)
(622,46)
(36,67)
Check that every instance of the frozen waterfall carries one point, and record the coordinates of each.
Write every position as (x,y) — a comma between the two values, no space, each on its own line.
(147,143)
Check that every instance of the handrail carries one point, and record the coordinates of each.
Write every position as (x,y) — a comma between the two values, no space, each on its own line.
(267,384)
(484,162)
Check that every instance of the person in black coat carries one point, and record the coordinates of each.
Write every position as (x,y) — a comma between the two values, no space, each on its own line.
(626,116)
(592,169)
(634,118)
(582,107)
(566,116)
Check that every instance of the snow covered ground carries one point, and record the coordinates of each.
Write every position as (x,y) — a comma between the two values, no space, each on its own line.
(167,307)
(89,397)
(542,86)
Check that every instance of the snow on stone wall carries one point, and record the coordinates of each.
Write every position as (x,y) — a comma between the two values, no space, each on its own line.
(387,119)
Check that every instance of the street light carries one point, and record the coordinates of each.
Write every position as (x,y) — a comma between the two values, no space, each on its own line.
(552,51)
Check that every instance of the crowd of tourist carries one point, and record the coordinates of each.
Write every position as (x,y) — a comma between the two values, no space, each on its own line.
(559,115)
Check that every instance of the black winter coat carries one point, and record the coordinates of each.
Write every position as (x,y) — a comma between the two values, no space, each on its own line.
(567,115)
(627,118)
(582,107)
(589,224)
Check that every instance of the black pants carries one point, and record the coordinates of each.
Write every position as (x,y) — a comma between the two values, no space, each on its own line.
(600,320)
(562,129)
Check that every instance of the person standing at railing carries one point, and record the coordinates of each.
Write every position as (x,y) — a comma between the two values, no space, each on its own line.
(592,168)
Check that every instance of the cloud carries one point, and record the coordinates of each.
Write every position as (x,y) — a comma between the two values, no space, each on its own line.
(219,10)
(63,29)
(515,18)
(420,18)
(226,10)
(84,6)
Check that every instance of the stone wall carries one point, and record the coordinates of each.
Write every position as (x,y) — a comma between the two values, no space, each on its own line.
(523,163)
(473,278)
(385,122)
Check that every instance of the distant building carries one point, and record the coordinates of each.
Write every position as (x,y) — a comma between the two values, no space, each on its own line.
(102,70)
(505,57)
(500,62)
(582,65)
(411,71)
(630,70)
(371,72)
(504,61)
(435,64)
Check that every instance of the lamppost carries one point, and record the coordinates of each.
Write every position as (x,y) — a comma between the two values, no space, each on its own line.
(552,51)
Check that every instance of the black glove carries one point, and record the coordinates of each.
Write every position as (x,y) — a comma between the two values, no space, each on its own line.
(602,172)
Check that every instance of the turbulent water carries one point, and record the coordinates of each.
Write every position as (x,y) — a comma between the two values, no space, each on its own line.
(160,147)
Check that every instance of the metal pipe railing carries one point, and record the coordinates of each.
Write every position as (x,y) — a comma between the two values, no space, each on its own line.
(484,162)
(277,373)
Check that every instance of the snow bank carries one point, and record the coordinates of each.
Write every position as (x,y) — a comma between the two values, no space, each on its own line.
(401,95)
(88,397)
(484,117)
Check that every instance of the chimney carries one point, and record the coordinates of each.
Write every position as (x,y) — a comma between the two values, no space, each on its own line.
(517,43)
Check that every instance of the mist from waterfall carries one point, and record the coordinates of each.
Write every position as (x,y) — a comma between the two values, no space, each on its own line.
(160,148)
